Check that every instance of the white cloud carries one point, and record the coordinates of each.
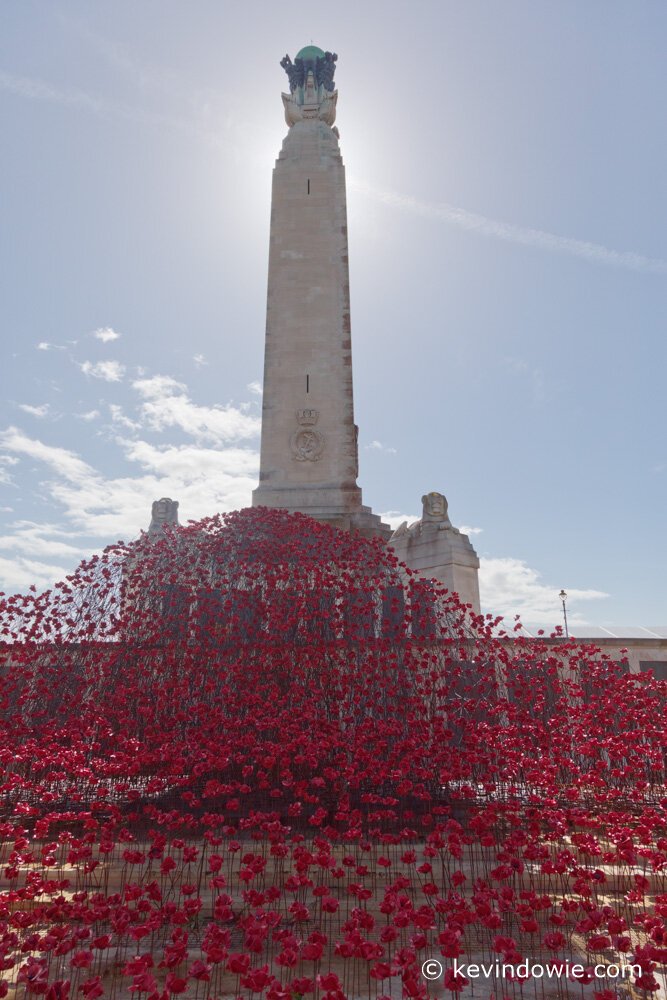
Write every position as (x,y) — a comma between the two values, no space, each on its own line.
(38,90)
(199,360)
(255,387)
(109,371)
(196,124)
(166,404)
(44,345)
(35,411)
(108,509)
(65,463)
(106,334)
(19,573)
(378,446)
(510,587)
(159,385)
(5,477)
(41,540)
(538,238)
(191,461)
(119,418)
(6,461)
(89,415)
(203,479)
(395,519)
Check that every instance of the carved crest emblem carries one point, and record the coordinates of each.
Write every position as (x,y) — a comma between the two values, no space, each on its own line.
(306,443)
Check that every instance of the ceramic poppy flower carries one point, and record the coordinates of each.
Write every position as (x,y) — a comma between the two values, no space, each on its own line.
(248,750)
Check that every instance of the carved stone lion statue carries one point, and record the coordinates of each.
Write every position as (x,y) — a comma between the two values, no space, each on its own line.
(434,510)
(163,511)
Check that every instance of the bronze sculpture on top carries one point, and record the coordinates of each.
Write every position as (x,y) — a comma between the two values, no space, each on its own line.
(323,68)
(311,84)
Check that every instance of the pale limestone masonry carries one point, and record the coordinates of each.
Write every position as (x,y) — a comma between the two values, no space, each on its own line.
(436,549)
(641,654)
(309,454)
(309,458)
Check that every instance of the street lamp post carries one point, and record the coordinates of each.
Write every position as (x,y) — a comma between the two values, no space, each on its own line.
(563,599)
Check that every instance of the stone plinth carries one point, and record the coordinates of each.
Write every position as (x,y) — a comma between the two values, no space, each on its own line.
(434,548)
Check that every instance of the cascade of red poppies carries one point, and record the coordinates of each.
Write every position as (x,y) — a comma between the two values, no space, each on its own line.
(253,756)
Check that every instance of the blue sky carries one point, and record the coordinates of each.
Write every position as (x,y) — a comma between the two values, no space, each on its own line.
(508,254)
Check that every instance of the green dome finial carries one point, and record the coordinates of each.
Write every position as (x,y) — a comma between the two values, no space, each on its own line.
(310,52)
(310,59)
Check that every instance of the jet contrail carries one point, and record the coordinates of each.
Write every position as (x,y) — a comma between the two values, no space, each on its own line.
(594,252)
(39,90)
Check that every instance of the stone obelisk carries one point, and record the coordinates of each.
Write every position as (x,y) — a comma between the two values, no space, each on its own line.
(309,459)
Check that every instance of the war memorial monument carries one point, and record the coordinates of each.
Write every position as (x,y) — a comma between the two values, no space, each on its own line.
(272,754)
